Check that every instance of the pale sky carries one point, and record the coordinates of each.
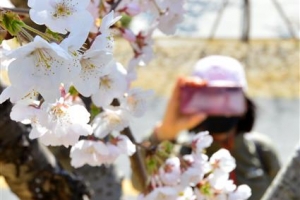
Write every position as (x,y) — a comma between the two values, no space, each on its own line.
(266,21)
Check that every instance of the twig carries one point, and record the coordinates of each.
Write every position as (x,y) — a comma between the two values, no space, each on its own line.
(115,5)
(20,11)
(285,18)
(216,23)
(246,21)
(137,156)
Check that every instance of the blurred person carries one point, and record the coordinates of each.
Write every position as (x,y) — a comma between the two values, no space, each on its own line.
(257,162)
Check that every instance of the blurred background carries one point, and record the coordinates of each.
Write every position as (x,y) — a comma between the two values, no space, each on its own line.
(262,34)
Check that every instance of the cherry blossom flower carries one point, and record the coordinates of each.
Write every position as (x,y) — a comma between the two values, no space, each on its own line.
(242,192)
(168,22)
(218,179)
(186,194)
(110,86)
(169,14)
(136,101)
(4,49)
(222,160)
(143,52)
(42,67)
(55,124)
(201,141)
(229,186)
(125,145)
(17,94)
(197,168)
(25,114)
(62,15)
(118,146)
(96,153)
(65,124)
(88,152)
(105,40)
(114,153)
(111,119)
(102,153)
(94,63)
(170,172)
(93,8)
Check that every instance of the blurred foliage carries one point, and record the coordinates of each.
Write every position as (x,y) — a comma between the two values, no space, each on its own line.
(126,20)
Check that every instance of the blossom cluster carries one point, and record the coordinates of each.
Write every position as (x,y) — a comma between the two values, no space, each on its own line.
(195,176)
(51,74)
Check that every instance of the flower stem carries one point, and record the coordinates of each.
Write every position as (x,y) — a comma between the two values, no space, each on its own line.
(161,12)
(43,35)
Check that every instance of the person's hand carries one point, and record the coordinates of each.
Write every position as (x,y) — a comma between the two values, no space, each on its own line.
(173,121)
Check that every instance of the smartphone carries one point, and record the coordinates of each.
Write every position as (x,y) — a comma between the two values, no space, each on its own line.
(212,100)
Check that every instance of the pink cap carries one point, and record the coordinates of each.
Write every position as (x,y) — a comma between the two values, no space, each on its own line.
(221,70)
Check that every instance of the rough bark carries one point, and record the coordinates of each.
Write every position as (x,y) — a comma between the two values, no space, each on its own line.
(287,183)
(103,182)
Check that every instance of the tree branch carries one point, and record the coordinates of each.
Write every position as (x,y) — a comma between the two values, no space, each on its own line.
(20,11)
(115,5)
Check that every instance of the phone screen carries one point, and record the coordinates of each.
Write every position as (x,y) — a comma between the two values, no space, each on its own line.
(212,100)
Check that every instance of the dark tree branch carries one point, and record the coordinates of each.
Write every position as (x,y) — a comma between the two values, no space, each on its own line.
(115,5)
(217,21)
(20,11)
(137,160)
(285,19)
(246,21)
